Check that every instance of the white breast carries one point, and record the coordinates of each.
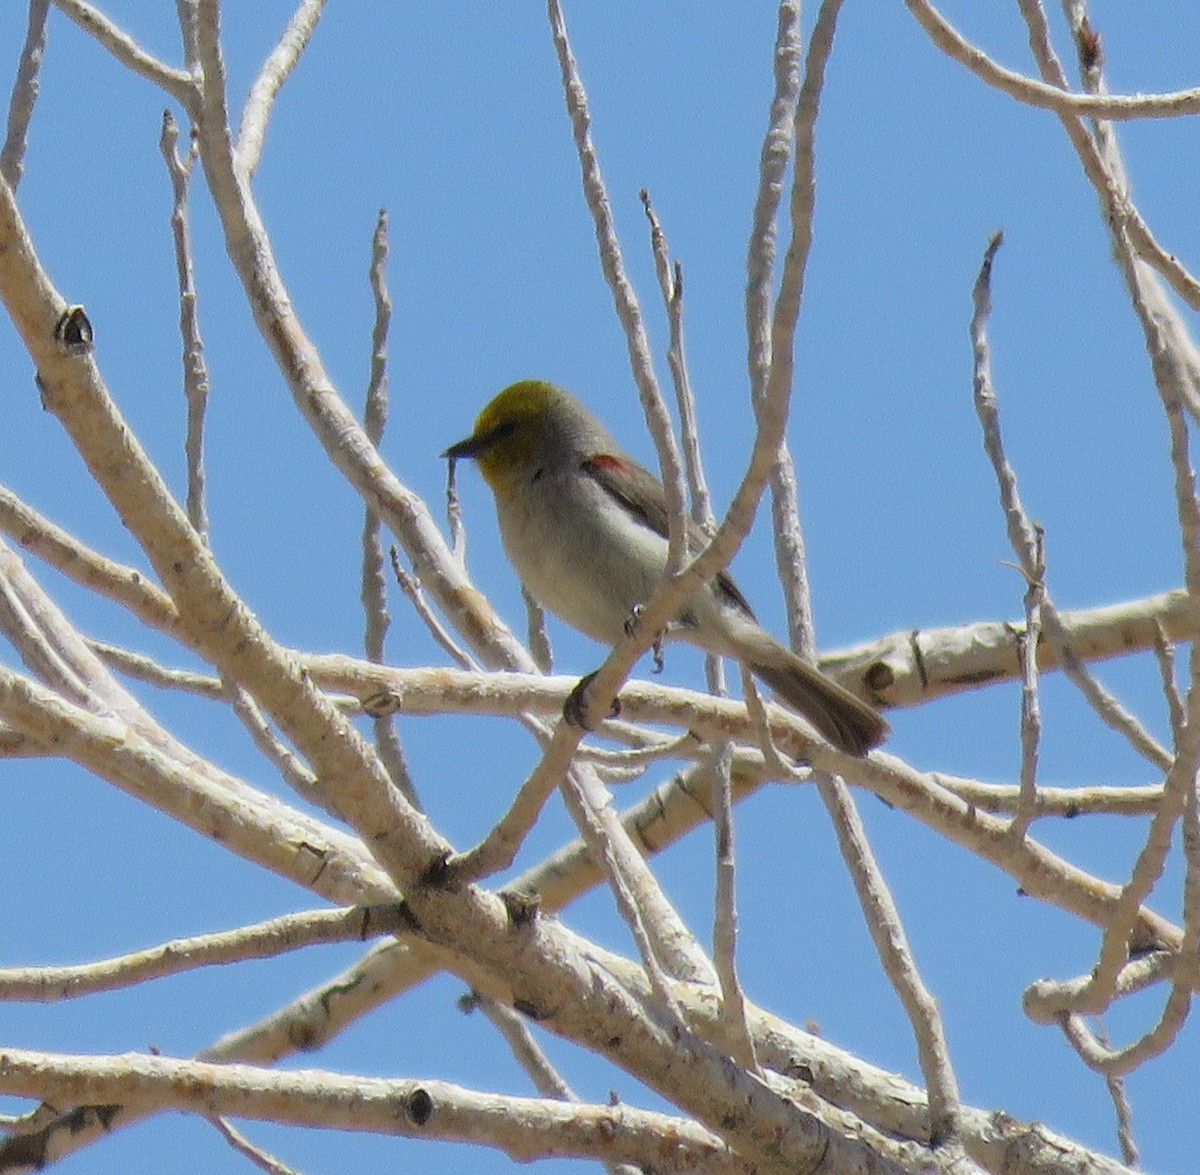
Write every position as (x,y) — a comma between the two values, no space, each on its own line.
(579,554)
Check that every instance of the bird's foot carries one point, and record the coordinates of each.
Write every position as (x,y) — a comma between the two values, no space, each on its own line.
(656,649)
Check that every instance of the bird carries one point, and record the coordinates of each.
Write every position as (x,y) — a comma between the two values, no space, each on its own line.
(585,527)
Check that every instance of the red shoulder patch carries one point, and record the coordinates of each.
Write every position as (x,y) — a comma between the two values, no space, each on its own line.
(604,462)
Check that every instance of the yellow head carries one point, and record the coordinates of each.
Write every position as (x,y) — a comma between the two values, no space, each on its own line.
(528,423)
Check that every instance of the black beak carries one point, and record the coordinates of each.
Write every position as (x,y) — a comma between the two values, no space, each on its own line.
(473,445)
(467,447)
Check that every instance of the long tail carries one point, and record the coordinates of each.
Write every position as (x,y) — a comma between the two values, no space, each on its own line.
(846,721)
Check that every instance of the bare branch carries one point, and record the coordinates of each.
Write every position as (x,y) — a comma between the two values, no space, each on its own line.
(147,669)
(1129,1149)
(625,300)
(1026,538)
(1039,872)
(754,1093)
(917,665)
(548,1081)
(63,551)
(537,637)
(887,932)
(290,767)
(195,371)
(735,1030)
(374,578)
(1164,653)
(1031,709)
(791,562)
(274,73)
(1094,164)
(1035,93)
(244,1147)
(525,1128)
(24,95)
(263,940)
(375,413)
(411,586)
(180,85)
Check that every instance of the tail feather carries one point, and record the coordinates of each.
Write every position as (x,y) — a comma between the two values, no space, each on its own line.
(845,720)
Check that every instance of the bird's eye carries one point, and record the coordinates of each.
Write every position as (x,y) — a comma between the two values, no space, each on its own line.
(537,474)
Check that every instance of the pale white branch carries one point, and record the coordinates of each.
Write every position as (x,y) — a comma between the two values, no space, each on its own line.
(24,94)
(887,932)
(180,85)
(270,80)
(524,1128)
(263,940)
(1035,93)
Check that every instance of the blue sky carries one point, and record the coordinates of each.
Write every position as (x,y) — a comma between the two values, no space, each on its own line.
(451,117)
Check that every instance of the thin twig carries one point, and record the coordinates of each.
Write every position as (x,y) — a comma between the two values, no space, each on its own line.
(1035,93)
(537,637)
(374,579)
(1124,1112)
(625,300)
(761,726)
(732,1015)
(1023,532)
(1094,164)
(548,1081)
(791,561)
(410,585)
(662,963)
(670,284)
(1107,707)
(180,85)
(1164,655)
(290,766)
(772,169)
(248,1150)
(736,1035)
(633,761)
(24,95)
(195,371)
(270,79)
(128,586)
(1031,709)
(144,668)
(454,516)
(887,931)
(1026,538)
(530,1056)
(263,940)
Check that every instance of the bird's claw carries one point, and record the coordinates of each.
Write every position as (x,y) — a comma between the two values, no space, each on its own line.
(656,649)
(656,653)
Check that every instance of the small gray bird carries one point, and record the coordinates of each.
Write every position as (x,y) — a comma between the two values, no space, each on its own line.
(585,526)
